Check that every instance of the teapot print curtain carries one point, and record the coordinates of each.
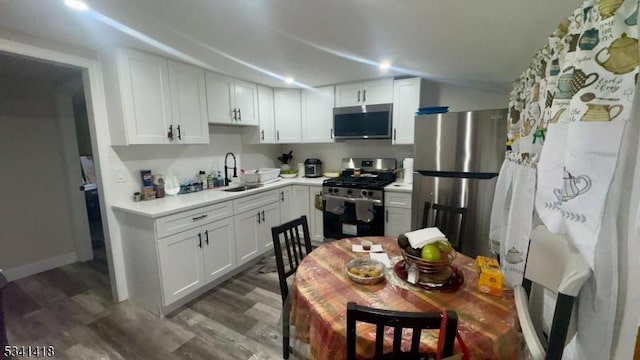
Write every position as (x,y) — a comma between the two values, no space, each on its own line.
(569,110)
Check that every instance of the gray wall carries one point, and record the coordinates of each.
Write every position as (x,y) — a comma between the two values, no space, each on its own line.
(36,223)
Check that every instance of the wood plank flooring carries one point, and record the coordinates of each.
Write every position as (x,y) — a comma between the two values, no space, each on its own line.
(71,309)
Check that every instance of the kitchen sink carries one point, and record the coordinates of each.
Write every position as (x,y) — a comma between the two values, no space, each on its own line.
(242,188)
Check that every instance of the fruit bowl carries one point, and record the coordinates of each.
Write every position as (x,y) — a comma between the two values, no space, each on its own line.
(429,266)
(365,271)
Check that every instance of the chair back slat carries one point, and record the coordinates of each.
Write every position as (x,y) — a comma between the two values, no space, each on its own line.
(450,220)
(398,320)
(288,242)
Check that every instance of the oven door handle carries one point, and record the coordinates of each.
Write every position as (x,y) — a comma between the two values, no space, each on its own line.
(347,199)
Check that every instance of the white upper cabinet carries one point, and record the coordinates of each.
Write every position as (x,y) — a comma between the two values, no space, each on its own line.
(231,101)
(158,101)
(288,115)
(317,115)
(246,97)
(408,95)
(364,93)
(144,90)
(266,115)
(188,104)
(220,94)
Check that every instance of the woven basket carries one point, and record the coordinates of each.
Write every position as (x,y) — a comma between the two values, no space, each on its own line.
(429,267)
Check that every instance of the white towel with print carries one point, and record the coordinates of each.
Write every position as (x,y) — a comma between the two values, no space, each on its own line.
(514,248)
(590,161)
(500,208)
(550,177)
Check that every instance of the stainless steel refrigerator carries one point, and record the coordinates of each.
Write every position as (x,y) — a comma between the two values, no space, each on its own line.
(457,159)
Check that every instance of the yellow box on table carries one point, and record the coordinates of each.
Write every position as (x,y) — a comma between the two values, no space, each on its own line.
(490,276)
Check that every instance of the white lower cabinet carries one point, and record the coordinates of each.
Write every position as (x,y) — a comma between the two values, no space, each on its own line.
(286,205)
(316,223)
(397,213)
(194,257)
(219,249)
(247,230)
(253,225)
(180,265)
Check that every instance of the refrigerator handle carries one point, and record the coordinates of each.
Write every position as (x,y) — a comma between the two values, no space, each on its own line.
(386,216)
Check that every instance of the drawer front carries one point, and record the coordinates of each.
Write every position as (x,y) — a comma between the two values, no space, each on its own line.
(255,201)
(176,223)
(399,200)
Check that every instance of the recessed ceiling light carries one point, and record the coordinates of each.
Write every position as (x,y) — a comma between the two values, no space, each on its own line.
(76,4)
(289,80)
(384,65)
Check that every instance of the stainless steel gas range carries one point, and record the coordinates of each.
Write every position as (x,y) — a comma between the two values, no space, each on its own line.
(353,203)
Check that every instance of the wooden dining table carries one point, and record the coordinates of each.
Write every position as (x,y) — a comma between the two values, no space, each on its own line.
(321,290)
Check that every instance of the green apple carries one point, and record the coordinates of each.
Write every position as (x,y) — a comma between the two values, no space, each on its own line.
(431,252)
(444,246)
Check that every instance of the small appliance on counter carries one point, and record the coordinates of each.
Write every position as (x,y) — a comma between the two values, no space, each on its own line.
(312,168)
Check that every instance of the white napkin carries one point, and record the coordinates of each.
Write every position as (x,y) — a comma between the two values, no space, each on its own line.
(422,237)
(382,257)
(359,248)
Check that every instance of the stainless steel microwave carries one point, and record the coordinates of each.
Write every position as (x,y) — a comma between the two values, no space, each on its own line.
(363,122)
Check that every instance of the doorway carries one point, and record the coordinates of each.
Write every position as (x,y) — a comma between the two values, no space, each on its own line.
(47,214)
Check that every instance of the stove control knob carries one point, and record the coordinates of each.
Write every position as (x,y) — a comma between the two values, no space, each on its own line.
(370,193)
(349,192)
(364,193)
(335,190)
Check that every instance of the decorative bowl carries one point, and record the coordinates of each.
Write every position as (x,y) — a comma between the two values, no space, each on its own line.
(288,176)
(427,266)
(365,271)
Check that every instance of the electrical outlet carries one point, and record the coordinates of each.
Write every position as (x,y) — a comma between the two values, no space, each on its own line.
(119,176)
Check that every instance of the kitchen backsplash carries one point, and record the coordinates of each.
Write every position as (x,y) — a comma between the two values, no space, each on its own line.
(186,160)
(332,154)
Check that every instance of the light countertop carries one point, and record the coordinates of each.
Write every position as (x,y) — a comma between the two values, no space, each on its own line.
(399,187)
(172,204)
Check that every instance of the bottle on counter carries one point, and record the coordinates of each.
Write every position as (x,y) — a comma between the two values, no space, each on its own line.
(210,184)
(219,179)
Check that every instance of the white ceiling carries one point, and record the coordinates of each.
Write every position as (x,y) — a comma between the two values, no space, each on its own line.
(483,44)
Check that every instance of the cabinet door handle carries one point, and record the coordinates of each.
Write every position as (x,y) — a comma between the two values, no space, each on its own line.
(170,133)
(394,134)
(262,215)
(234,113)
(278,135)
(179,132)
(358,95)
(258,217)
(364,95)
(386,214)
(239,115)
(262,134)
(199,217)
(332,133)
(199,240)
(206,237)
(281,195)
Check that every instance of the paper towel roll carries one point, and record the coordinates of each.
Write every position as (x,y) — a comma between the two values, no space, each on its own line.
(407,164)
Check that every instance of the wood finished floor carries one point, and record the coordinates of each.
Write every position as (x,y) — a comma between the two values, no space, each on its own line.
(71,309)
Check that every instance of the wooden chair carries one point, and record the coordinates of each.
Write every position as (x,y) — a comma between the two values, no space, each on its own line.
(450,220)
(555,264)
(291,243)
(398,320)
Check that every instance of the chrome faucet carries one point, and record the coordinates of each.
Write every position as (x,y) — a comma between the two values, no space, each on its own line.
(235,167)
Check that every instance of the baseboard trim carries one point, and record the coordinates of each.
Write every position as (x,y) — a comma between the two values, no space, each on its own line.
(39,266)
